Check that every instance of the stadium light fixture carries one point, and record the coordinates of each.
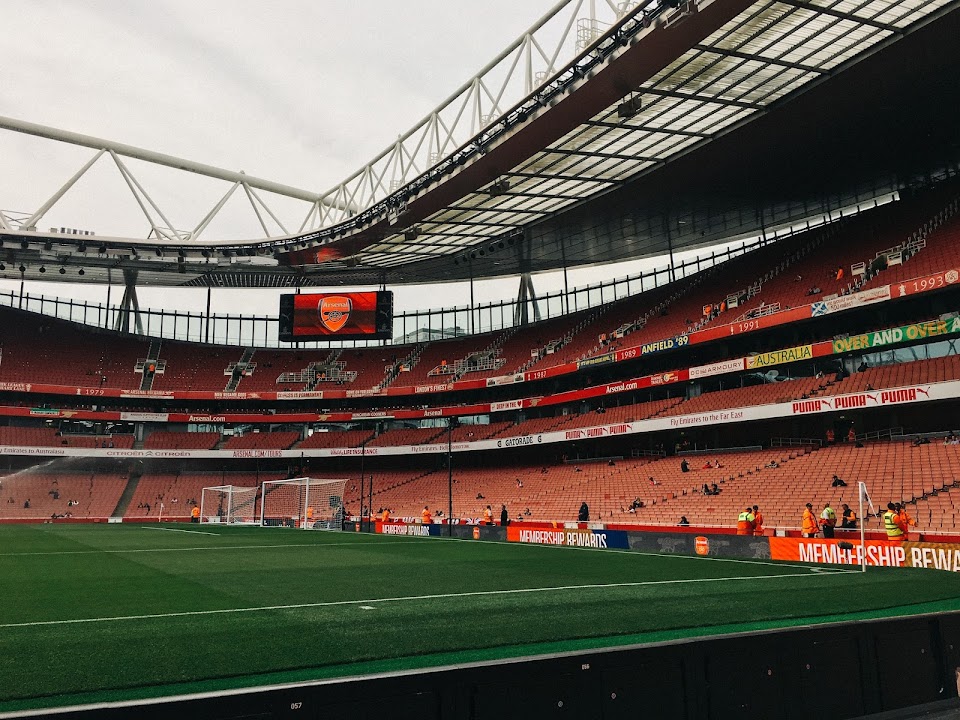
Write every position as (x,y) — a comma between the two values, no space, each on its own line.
(629,107)
(499,187)
(80,272)
(42,269)
(22,268)
(63,271)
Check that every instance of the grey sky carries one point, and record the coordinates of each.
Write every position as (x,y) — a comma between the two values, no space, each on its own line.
(302,93)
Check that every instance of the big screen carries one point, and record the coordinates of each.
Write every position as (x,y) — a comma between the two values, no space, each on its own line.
(341,316)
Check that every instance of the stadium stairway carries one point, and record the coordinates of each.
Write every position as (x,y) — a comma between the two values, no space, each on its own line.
(127,495)
(384,491)
(938,509)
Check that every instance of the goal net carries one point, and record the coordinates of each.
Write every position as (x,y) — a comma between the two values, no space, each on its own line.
(306,503)
(234,504)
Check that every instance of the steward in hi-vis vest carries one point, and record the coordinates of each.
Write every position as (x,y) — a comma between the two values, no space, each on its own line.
(746,522)
(893,524)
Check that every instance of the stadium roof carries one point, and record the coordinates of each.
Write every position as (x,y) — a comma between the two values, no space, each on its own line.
(760,56)
(661,84)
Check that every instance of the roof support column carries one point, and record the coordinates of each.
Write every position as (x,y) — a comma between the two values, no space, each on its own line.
(206,317)
(566,284)
(471,298)
(667,223)
(526,295)
(130,304)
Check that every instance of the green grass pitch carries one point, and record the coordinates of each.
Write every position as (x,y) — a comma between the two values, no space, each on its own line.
(95,613)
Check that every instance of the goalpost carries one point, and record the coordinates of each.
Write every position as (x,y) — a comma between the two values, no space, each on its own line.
(305,503)
(233,504)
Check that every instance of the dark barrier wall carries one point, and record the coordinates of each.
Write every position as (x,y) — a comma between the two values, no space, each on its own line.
(686,544)
(828,672)
(662,543)
(839,551)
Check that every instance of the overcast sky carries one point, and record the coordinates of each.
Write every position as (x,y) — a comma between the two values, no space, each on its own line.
(302,93)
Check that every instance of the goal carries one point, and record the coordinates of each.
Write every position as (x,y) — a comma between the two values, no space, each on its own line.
(234,504)
(305,503)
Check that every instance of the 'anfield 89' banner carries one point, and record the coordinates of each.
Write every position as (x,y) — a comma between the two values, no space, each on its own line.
(879,553)
(357,315)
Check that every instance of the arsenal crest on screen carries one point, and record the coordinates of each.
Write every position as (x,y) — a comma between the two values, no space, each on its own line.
(334,312)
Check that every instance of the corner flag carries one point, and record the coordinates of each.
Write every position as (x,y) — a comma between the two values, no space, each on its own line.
(864,497)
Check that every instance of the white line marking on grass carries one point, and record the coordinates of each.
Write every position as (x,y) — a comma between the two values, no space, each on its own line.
(195,532)
(407,598)
(367,607)
(187,549)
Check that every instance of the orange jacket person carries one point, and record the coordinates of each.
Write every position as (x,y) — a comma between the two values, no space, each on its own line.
(757,521)
(746,522)
(906,521)
(195,514)
(809,524)
(385,517)
(425,516)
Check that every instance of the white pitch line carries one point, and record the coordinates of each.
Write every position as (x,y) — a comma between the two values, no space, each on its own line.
(377,540)
(195,532)
(190,549)
(440,596)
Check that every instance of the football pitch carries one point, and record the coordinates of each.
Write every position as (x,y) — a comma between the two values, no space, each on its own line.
(97,613)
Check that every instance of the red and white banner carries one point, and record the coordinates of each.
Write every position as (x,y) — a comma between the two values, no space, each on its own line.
(866,399)
(893,396)
(880,553)
(936,281)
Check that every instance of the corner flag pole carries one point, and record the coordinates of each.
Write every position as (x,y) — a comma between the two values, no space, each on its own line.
(862,493)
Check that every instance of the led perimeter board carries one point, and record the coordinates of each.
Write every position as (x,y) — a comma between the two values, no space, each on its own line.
(336,316)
